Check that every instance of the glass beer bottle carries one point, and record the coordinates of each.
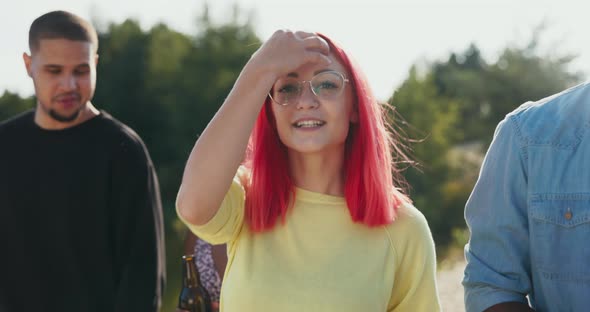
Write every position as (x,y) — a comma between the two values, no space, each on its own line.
(193,296)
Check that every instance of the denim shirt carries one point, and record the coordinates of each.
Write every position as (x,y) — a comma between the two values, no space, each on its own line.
(529,213)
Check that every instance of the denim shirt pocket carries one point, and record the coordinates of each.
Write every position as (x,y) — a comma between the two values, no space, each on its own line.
(560,236)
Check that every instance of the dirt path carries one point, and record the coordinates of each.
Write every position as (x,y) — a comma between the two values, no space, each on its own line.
(450,288)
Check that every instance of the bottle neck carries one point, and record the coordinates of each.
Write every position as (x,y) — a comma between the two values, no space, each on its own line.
(190,275)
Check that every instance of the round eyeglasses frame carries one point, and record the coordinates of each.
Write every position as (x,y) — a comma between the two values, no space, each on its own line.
(301,83)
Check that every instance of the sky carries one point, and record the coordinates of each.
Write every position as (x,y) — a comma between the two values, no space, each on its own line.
(386,37)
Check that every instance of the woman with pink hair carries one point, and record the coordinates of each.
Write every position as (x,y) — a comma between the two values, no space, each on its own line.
(295,173)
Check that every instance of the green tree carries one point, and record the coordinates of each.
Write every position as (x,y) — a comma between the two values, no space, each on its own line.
(167,86)
(488,91)
(453,109)
(12,104)
(431,120)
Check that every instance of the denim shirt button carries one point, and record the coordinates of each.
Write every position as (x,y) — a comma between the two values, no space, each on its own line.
(568,215)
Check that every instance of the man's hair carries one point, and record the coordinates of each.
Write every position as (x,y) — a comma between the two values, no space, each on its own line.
(61,25)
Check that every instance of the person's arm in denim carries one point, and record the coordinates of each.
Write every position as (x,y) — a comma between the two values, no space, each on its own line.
(498,265)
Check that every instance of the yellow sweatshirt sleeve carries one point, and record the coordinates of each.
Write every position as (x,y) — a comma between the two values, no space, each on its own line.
(227,222)
(414,286)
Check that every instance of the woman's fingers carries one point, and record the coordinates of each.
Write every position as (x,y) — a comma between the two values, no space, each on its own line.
(286,50)
(316,57)
(316,43)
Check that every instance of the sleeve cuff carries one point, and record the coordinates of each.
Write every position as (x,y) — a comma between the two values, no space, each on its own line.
(477,299)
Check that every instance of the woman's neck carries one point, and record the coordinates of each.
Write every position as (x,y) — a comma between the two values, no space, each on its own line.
(318,172)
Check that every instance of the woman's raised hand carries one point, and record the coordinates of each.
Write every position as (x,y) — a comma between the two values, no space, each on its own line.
(285,51)
(220,149)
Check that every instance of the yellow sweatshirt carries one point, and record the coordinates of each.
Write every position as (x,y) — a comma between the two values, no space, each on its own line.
(319,260)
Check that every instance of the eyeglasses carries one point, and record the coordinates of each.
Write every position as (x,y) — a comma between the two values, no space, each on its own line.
(325,85)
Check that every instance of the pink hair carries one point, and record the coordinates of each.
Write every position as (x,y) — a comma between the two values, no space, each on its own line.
(370,194)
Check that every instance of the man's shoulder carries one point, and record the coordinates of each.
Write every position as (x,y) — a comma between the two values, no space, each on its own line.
(121,138)
(17,122)
(556,120)
(112,127)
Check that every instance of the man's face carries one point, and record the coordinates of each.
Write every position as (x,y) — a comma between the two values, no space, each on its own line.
(64,75)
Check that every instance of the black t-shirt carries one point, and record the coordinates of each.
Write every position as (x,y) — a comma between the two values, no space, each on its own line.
(81,224)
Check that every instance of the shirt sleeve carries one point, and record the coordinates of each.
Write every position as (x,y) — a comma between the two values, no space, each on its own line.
(496,213)
(137,230)
(414,286)
(226,224)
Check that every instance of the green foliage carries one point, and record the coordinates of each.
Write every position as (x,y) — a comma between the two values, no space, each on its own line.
(432,121)
(487,92)
(11,104)
(167,86)
(452,110)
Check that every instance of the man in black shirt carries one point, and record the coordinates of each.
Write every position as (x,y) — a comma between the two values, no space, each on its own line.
(81,225)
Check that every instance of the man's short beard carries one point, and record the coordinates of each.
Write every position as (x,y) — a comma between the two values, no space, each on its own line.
(62,118)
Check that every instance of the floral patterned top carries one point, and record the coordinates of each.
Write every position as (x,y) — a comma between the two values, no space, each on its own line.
(208,275)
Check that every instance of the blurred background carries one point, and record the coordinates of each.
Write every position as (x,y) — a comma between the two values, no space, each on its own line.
(451,69)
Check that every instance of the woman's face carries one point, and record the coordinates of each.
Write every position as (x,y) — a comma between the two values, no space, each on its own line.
(314,122)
